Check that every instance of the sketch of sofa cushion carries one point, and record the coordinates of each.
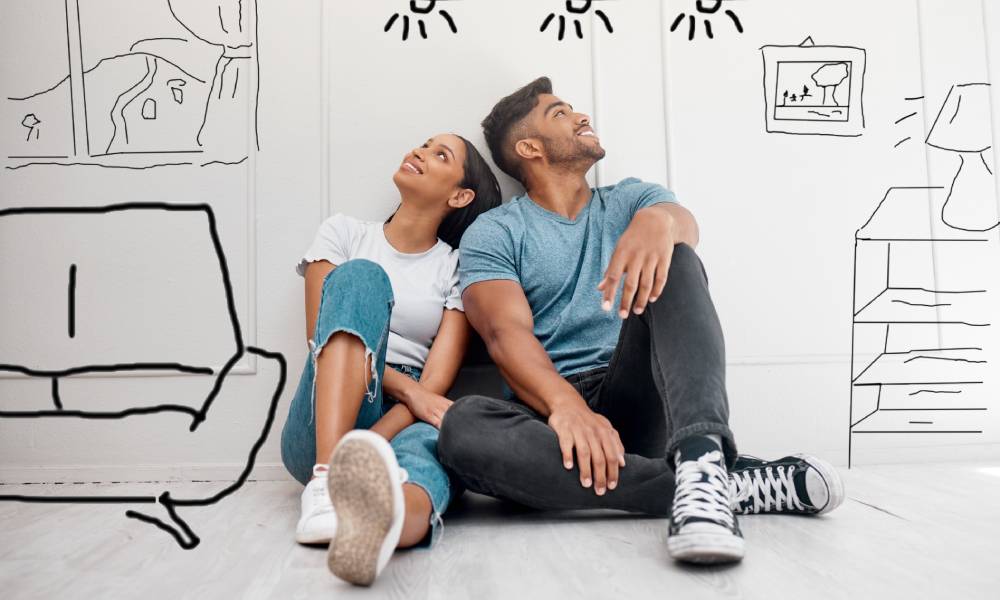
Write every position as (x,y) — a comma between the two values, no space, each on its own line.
(128,288)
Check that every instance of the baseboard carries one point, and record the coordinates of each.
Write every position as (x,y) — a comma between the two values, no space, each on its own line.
(138,473)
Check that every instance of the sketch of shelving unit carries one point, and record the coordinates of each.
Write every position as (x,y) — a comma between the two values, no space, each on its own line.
(918,345)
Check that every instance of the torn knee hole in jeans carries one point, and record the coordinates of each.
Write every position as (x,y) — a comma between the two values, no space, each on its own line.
(367,364)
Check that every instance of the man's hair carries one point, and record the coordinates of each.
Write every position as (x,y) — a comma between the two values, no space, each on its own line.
(505,124)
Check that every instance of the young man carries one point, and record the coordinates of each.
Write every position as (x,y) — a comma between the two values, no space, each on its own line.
(596,309)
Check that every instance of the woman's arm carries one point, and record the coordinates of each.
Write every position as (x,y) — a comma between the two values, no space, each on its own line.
(425,399)
(447,352)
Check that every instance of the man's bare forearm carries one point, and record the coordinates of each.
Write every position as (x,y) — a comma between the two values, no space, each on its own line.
(529,370)
(682,223)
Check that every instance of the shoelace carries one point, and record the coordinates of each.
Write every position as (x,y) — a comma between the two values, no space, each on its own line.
(702,490)
(753,491)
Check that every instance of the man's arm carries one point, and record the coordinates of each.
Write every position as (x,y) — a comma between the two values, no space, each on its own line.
(499,311)
(643,253)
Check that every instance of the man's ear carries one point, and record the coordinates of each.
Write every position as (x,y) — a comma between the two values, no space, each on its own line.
(528,148)
(462,198)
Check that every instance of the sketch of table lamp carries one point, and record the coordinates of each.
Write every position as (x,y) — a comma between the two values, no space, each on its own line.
(962,127)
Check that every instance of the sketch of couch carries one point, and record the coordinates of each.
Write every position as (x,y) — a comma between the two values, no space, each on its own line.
(126,289)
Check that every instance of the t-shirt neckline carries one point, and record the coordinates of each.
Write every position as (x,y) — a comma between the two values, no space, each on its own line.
(394,250)
(558,217)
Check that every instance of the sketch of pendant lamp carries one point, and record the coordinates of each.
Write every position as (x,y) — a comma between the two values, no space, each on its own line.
(962,127)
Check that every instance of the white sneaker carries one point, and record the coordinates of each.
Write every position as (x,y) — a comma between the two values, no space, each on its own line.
(366,488)
(318,522)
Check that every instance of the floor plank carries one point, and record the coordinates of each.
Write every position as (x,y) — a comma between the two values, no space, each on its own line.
(905,531)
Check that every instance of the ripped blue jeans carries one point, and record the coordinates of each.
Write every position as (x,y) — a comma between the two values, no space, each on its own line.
(357,298)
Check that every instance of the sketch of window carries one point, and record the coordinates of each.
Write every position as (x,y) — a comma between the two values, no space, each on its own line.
(814,90)
(134,84)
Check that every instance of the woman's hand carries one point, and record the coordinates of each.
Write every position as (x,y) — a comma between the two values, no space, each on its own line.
(428,406)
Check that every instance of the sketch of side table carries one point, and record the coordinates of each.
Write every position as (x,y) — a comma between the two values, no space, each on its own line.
(918,357)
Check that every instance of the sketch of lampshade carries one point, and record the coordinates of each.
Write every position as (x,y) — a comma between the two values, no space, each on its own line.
(962,126)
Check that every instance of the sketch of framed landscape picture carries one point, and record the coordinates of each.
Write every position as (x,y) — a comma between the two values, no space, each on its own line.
(814,90)
(129,84)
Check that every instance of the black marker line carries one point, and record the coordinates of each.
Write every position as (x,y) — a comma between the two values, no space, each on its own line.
(85,164)
(156,39)
(932,409)
(72,301)
(918,431)
(900,142)
(905,118)
(83,77)
(69,68)
(56,400)
(110,368)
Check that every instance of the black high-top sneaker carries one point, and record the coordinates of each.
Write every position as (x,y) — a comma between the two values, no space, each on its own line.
(797,484)
(703,528)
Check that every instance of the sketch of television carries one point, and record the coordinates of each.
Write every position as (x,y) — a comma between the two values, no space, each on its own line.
(129,84)
(814,90)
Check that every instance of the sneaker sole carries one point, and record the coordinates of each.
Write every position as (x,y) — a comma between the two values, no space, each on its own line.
(834,483)
(706,548)
(366,496)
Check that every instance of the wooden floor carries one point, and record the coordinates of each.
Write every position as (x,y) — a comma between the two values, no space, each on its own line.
(904,532)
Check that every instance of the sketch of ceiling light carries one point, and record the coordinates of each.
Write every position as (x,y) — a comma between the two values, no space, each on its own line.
(576,8)
(420,8)
(705,7)
(962,127)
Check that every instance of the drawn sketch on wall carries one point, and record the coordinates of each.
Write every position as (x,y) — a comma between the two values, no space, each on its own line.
(959,128)
(904,379)
(420,9)
(93,330)
(705,9)
(175,83)
(576,9)
(814,90)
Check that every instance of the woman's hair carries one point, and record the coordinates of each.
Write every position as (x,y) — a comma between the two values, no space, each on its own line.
(479,178)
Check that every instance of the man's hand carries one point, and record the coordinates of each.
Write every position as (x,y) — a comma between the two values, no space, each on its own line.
(428,406)
(642,256)
(599,450)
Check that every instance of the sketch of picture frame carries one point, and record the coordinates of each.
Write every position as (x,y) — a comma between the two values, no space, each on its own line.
(174,82)
(814,90)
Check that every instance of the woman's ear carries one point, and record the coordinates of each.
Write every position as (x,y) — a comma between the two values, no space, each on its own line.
(462,198)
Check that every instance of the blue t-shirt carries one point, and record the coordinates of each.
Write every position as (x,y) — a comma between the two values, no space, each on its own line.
(559,263)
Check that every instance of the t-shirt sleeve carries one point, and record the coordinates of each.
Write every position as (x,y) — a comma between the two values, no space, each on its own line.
(486,252)
(642,194)
(453,294)
(333,242)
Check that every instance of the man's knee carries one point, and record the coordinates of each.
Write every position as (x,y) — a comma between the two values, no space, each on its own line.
(685,261)
(461,431)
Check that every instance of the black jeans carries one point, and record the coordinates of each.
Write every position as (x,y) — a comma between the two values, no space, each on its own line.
(665,382)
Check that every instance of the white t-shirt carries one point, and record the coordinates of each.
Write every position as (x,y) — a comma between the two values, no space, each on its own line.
(423,284)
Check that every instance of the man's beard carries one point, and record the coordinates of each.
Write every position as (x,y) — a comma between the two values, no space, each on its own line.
(565,153)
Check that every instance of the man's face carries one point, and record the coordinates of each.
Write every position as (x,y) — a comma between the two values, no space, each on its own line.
(566,135)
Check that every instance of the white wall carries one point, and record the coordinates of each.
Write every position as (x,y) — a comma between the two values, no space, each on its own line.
(340,102)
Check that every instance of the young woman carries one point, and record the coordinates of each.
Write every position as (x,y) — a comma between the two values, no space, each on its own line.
(375,294)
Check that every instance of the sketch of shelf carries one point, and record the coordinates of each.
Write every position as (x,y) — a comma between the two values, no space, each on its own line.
(904,378)
(174,82)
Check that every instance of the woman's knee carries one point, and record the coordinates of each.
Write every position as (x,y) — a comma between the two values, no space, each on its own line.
(361,275)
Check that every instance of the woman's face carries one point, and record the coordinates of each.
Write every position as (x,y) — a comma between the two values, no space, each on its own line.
(432,173)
